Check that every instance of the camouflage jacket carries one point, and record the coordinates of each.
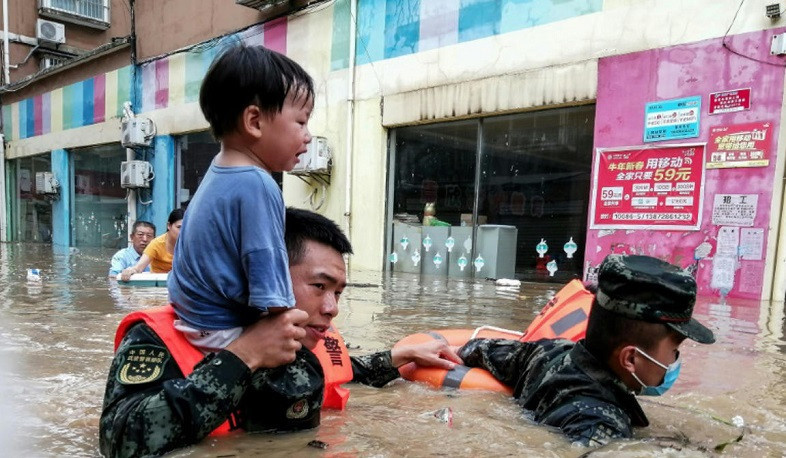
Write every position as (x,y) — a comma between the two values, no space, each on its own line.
(150,408)
(563,385)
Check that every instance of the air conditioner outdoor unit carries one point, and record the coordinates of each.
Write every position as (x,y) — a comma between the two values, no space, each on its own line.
(137,132)
(316,160)
(45,183)
(135,174)
(50,31)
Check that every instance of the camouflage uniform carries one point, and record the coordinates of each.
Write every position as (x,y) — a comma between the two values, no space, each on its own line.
(563,384)
(150,408)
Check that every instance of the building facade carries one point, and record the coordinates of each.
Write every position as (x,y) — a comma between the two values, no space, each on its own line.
(533,138)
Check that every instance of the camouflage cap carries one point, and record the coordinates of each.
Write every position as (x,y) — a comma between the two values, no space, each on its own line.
(648,289)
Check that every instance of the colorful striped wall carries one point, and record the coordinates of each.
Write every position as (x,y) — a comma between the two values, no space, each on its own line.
(386,29)
(176,79)
(392,28)
(173,80)
(91,101)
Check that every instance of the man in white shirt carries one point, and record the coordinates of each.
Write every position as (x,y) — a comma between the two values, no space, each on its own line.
(141,234)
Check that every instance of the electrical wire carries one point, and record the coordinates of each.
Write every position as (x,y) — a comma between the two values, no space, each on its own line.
(727,47)
(236,34)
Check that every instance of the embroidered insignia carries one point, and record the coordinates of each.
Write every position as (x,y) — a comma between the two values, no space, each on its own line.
(142,364)
(298,410)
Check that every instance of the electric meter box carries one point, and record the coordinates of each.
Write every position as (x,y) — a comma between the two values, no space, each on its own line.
(45,183)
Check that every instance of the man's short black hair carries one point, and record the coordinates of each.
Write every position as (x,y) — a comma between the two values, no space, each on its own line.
(246,75)
(140,223)
(303,226)
(607,331)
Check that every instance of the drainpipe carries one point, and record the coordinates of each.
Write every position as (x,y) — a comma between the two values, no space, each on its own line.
(774,287)
(353,6)
(6,57)
(130,153)
(3,220)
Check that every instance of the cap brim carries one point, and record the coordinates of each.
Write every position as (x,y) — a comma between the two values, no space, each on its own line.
(694,330)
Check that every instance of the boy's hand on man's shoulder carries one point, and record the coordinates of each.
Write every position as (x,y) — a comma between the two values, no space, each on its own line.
(272,341)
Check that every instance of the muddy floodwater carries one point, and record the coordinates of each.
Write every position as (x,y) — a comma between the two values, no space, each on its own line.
(56,345)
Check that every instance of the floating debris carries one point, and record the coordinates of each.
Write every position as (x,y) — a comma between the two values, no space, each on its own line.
(508,282)
(445,415)
(33,275)
(318,444)
(737,421)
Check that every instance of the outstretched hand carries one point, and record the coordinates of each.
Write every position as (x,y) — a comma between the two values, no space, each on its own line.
(435,353)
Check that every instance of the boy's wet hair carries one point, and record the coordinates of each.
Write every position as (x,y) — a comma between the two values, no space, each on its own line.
(304,225)
(607,331)
(246,75)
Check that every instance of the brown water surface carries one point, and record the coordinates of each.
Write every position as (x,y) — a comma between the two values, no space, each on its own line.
(57,345)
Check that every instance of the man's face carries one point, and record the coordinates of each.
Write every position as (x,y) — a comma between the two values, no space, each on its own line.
(318,281)
(141,237)
(665,353)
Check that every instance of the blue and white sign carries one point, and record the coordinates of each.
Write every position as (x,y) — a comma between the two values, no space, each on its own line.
(672,119)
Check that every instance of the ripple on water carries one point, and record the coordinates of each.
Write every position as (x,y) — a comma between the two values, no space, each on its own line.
(57,345)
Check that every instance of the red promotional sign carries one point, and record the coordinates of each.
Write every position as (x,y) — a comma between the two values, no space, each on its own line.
(742,145)
(730,101)
(648,188)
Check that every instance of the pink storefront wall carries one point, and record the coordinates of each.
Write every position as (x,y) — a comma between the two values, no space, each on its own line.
(628,82)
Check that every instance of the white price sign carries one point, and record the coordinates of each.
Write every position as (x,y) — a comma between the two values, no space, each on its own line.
(611,193)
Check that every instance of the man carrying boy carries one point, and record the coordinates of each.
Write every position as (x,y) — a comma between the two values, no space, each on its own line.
(263,379)
(640,316)
(230,264)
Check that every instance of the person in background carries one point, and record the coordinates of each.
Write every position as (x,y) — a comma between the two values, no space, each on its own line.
(158,254)
(641,314)
(142,232)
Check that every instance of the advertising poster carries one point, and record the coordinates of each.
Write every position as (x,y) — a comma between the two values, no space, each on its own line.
(743,145)
(672,119)
(730,101)
(648,187)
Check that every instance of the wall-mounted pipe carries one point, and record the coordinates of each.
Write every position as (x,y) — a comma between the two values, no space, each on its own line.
(6,49)
(350,118)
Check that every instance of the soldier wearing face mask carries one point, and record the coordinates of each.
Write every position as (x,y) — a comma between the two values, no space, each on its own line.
(641,314)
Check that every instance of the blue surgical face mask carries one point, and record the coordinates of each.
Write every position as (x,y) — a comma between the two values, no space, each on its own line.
(672,372)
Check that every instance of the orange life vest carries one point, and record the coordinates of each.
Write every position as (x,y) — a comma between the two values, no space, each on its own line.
(564,317)
(331,352)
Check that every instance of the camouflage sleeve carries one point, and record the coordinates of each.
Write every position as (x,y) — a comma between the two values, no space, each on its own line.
(589,421)
(505,359)
(375,369)
(150,408)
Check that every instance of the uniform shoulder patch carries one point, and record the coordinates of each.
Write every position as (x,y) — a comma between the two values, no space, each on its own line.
(142,364)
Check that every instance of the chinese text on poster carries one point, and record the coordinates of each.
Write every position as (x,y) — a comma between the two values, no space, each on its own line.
(743,145)
(648,188)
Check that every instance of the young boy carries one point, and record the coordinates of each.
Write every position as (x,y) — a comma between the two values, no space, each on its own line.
(230,266)
(640,316)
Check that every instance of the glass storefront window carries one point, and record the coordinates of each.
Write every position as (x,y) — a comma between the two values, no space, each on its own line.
(31,212)
(196,152)
(435,164)
(99,214)
(534,176)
